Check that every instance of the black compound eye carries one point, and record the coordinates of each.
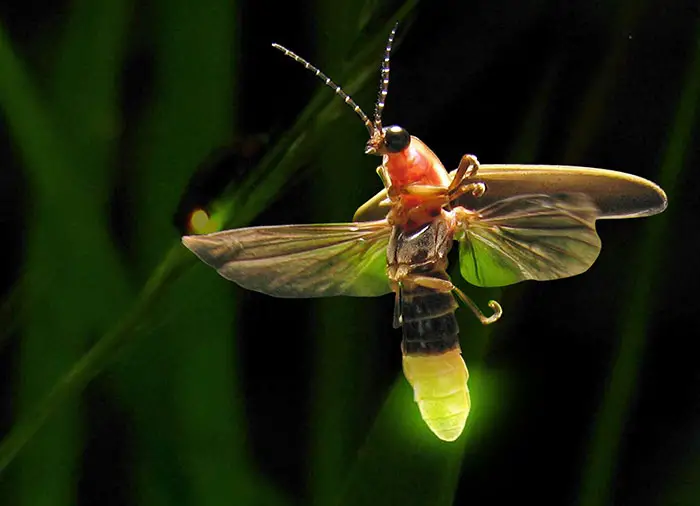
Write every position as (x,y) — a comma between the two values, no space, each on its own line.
(396,139)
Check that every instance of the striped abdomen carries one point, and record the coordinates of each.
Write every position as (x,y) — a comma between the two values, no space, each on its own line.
(432,361)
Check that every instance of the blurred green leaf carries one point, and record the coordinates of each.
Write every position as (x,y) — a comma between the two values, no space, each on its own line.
(192,398)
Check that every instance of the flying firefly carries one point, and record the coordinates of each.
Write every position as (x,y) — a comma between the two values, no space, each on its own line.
(512,223)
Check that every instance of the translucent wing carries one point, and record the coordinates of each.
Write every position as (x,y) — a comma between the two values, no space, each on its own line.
(300,260)
(540,237)
(615,194)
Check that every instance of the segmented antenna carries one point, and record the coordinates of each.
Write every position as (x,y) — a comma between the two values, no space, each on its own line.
(327,80)
(384,80)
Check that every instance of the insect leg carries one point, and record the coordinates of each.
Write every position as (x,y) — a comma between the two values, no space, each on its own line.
(386,180)
(425,190)
(432,197)
(437,284)
(486,320)
(476,189)
(390,189)
(468,167)
(443,285)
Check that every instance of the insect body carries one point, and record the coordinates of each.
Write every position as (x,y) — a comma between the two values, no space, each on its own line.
(417,262)
(512,223)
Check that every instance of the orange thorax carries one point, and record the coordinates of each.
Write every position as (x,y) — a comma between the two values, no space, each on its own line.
(416,164)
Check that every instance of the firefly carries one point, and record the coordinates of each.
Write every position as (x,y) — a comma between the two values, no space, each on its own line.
(512,223)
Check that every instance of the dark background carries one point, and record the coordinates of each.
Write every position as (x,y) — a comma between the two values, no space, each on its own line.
(586,392)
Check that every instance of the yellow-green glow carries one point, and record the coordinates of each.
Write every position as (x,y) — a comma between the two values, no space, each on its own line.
(440,389)
(201,223)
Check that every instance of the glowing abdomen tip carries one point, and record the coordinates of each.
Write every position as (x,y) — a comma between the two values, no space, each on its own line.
(440,388)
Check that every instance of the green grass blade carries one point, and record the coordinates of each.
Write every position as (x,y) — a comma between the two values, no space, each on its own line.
(85,90)
(192,399)
(342,350)
(265,183)
(71,271)
(135,322)
(600,467)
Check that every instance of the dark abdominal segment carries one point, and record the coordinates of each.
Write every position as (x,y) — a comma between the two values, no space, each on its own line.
(429,323)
